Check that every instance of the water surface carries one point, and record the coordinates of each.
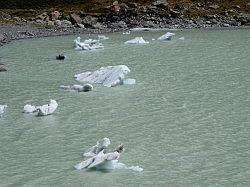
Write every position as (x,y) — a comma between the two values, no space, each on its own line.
(185,122)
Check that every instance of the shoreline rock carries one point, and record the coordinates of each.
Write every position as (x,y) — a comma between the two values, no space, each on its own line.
(118,17)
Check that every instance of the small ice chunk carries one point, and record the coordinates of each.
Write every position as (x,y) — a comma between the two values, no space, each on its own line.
(167,36)
(2,108)
(102,37)
(137,40)
(182,38)
(29,108)
(89,44)
(127,32)
(47,109)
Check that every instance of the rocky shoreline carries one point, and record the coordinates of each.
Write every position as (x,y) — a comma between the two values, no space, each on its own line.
(120,17)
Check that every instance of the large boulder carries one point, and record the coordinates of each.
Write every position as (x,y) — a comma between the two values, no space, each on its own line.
(55,15)
(4,16)
(121,24)
(43,17)
(116,7)
(214,7)
(98,25)
(75,18)
(89,21)
(244,19)
(2,38)
(160,4)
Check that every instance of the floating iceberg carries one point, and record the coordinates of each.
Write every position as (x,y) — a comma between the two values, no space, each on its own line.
(137,40)
(100,145)
(108,76)
(127,32)
(182,38)
(29,108)
(97,157)
(167,36)
(102,37)
(47,109)
(43,110)
(2,108)
(78,88)
(87,44)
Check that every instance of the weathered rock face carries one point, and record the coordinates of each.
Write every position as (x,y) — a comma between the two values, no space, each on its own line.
(75,18)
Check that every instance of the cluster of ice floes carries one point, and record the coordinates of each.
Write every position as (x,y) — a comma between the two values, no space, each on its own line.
(2,108)
(137,40)
(107,76)
(78,88)
(98,157)
(43,110)
(89,44)
(140,40)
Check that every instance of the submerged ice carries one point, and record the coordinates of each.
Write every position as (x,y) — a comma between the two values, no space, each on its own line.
(78,88)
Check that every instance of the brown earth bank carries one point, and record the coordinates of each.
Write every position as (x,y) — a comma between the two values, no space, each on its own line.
(36,18)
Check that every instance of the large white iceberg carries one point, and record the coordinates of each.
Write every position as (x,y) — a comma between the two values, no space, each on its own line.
(89,44)
(48,109)
(2,108)
(108,76)
(137,40)
(167,36)
(78,88)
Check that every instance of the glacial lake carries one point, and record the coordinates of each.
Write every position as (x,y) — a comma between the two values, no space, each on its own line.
(186,121)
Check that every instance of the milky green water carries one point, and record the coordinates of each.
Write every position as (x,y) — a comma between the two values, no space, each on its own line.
(186,121)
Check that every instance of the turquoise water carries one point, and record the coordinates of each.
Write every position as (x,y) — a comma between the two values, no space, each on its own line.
(185,122)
